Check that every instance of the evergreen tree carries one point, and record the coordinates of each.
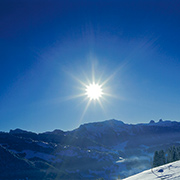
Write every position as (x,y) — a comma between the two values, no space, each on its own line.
(173,154)
(169,155)
(156,159)
(178,152)
(159,158)
(162,158)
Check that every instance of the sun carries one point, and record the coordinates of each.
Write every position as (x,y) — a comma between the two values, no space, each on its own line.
(94,91)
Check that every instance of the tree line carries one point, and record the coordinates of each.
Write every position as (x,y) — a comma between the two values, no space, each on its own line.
(161,157)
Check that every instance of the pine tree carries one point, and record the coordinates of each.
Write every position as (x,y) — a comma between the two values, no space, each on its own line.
(159,158)
(162,158)
(169,155)
(178,152)
(173,154)
(156,159)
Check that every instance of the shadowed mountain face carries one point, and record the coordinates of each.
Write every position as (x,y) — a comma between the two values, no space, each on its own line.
(103,149)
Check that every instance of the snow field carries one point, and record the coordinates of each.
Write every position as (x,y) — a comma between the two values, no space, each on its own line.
(169,171)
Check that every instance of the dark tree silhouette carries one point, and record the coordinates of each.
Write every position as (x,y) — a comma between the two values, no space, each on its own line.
(159,158)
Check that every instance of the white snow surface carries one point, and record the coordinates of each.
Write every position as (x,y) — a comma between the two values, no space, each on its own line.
(47,157)
(44,144)
(33,154)
(169,171)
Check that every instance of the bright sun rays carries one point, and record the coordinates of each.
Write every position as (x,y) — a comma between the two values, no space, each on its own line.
(94,89)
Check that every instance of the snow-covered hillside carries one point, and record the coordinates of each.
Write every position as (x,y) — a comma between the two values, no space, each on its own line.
(169,171)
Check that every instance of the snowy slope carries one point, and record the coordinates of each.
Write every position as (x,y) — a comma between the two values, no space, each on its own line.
(169,171)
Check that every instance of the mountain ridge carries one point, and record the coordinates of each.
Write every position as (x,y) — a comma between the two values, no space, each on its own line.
(93,150)
(110,122)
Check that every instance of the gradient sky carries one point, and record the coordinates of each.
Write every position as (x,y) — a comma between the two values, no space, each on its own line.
(48,46)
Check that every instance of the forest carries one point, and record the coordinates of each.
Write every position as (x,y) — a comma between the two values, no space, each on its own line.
(162,157)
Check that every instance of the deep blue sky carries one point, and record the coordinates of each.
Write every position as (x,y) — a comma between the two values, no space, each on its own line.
(45,44)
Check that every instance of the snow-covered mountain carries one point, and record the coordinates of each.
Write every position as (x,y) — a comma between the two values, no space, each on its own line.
(169,171)
(102,149)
